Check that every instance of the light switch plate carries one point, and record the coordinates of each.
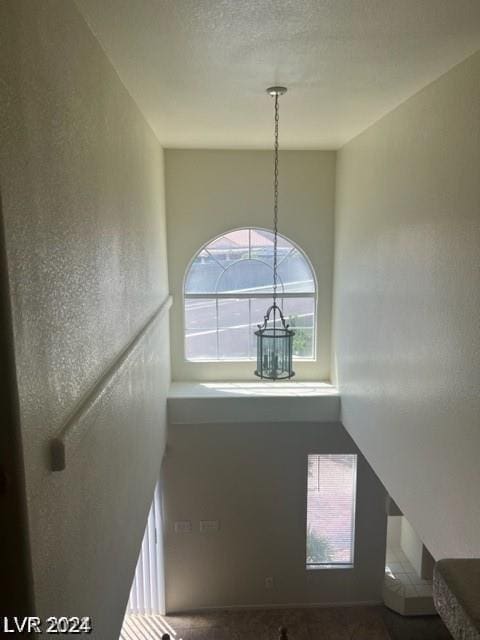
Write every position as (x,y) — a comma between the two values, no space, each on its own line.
(183,526)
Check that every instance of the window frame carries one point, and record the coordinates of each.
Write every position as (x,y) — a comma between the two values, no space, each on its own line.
(316,566)
(247,296)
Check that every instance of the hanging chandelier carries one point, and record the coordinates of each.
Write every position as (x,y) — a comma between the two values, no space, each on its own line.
(274,338)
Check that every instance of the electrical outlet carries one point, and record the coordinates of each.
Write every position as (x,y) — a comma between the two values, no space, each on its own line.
(183,526)
(207,526)
(269,583)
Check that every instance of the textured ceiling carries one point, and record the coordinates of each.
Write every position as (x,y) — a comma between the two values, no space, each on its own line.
(198,68)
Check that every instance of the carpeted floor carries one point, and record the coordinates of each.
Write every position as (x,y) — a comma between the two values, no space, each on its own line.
(343,623)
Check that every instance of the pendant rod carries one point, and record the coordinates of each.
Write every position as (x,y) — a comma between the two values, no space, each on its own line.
(275,92)
(275,202)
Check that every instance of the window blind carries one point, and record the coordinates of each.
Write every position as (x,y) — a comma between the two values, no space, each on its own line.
(147,592)
(331,494)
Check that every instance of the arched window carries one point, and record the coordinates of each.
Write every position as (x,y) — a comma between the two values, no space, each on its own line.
(228,287)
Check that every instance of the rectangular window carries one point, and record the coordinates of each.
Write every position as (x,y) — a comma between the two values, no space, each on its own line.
(331,495)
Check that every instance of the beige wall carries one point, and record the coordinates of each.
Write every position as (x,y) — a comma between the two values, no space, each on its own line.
(252,477)
(83,207)
(407,305)
(211,192)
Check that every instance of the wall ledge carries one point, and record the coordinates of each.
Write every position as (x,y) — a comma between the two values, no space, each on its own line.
(210,402)
(456,594)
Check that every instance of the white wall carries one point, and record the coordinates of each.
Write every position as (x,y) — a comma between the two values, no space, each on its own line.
(411,545)
(83,207)
(407,305)
(211,192)
(252,477)
(394,531)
